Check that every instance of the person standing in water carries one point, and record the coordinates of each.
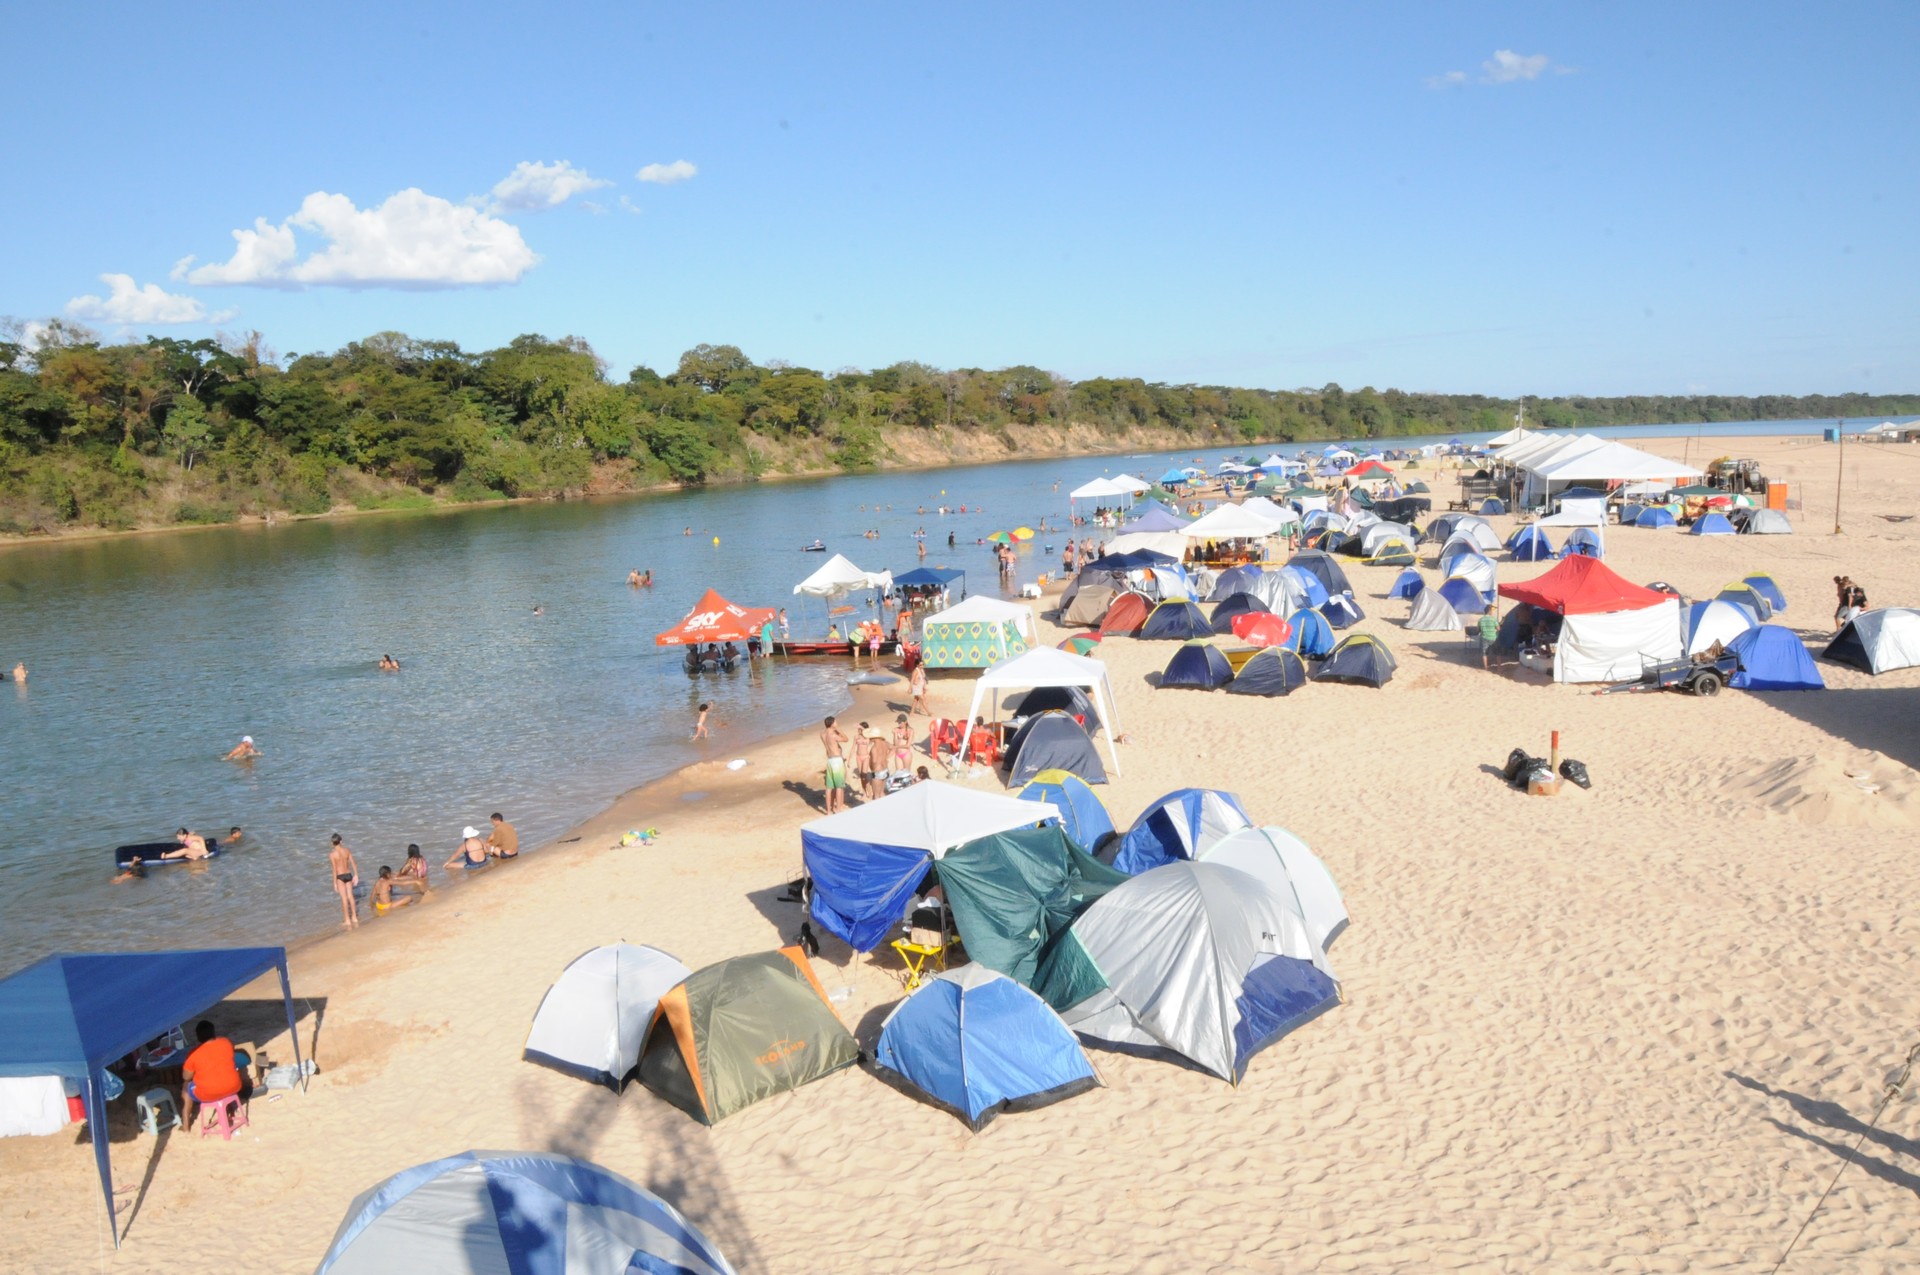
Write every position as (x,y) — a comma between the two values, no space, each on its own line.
(243,751)
(346,875)
(700,722)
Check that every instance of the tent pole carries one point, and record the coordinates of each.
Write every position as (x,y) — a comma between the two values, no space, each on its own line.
(293,1031)
(97,1126)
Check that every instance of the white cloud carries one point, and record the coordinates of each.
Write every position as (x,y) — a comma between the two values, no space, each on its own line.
(627,205)
(131,304)
(1504,67)
(413,240)
(536,187)
(667,174)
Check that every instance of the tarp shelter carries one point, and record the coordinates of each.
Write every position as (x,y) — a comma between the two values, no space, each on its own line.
(1654,518)
(71,1015)
(1179,826)
(1342,611)
(1711,524)
(1012,892)
(1052,741)
(974,1042)
(1407,584)
(714,619)
(1125,614)
(1767,587)
(1459,595)
(1530,544)
(1045,666)
(1271,671)
(1765,522)
(976,633)
(1197,666)
(1716,621)
(1878,641)
(516,1213)
(838,577)
(1285,862)
(867,862)
(1176,620)
(1774,659)
(1234,580)
(1200,959)
(1322,568)
(1431,613)
(1081,811)
(741,1030)
(592,1021)
(1261,628)
(1239,604)
(1585,541)
(1360,659)
(1610,625)
(1312,636)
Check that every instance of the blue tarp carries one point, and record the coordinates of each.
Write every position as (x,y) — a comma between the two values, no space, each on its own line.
(977,1043)
(869,884)
(71,1015)
(928,577)
(1774,659)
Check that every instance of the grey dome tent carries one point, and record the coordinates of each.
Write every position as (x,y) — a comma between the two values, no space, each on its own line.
(1238,604)
(1088,605)
(1068,699)
(1765,522)
(594,1018)
(1273,670)
(1878,641)
(1360,659)
(1432,614)
(1234,580)
(1053,741)
(1322,568)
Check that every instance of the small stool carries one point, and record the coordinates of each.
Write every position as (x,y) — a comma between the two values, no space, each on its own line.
(157,1111)
(916,955)
(228,1115)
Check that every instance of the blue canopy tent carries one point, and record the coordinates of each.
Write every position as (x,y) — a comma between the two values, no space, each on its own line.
(931,578)
(1154,520)
(1173,478)
(71,1015)
(1774,659)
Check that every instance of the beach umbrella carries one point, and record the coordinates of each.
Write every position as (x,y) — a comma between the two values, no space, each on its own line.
(1261,628)
(1000,538)
(1023,533)
(1081,643)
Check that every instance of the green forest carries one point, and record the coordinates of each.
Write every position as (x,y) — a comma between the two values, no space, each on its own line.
(167,431)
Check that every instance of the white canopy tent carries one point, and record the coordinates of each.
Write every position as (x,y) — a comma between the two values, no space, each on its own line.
(1128,485)
(1171,543)
(838,577)
(1098,489)
(1508,439)
(1611,462)
(985,609)
(1050,666)
(1279,515)
(1578,512)
(931,816)
(1230,522)
(1609,646)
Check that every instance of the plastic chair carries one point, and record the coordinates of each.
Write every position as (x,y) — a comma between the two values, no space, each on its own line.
(157,1111)
(982,746)
(228,1115)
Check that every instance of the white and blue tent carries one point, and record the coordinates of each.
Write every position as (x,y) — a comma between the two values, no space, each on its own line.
(594,1019)
(1180,825)
(1459,593)
(1289,589)
(1287,864)
(1654,518)
(1471,566)
(1530,544)
(1312,636)
(1585,542)
(976,1043)
(1716,621)
(1342,611)
(516,1213)
(1234,580)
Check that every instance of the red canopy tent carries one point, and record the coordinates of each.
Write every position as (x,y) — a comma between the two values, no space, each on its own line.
(1582,586)
(1369,469)
(714,619)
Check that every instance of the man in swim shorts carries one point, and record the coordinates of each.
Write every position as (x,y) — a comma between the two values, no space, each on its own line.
(346,875)
(503,842)
(834,741)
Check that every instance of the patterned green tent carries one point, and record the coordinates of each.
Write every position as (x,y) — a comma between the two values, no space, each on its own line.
(970,643)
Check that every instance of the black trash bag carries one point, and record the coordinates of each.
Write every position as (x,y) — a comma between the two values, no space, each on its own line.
(1516,767)
(1576,772)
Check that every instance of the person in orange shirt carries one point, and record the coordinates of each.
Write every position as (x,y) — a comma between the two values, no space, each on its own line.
(210,1074)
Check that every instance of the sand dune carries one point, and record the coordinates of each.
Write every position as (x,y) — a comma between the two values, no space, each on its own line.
(1631,1028)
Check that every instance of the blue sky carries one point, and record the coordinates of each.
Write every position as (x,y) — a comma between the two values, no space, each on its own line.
(1505,199)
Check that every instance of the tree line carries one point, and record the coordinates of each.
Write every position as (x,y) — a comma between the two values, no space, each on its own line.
(168,430)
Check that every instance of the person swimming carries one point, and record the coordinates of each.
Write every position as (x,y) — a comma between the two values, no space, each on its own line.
(389,665)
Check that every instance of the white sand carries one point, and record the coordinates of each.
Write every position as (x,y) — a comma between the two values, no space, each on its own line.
(1626,1029)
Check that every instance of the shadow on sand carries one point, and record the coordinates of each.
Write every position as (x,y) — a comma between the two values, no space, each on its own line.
(1832,1116)
(1877,717)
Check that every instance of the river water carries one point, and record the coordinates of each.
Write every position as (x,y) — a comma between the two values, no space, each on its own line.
(151,655)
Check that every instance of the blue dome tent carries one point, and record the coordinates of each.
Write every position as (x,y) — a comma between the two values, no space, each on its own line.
(1584,541)
(1765,585)
(1275,670)
(1530,544)
(1407,584)
(1360,659)
(1197,666)
(1773,659)
(1052,740)
(1493,505)
(1178,826)
(1711,525)
(976,1043)
(1234,580)
(1082,813)
(1175,620)
(1238,604)
(1312,636)
(1342,611)
(1322,568)
(1654,518)
(1460,594)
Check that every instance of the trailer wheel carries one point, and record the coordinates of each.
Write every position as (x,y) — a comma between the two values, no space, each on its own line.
(1706,685)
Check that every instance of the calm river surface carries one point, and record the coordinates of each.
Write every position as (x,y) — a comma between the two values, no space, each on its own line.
(151,655)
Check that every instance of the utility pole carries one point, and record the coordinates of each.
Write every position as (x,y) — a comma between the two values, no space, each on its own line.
(1839,477)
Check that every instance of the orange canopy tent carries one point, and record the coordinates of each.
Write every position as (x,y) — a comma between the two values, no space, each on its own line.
(714,619)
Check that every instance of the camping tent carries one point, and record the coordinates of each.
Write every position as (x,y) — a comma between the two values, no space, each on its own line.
(1765,522)
(1322,568)
(1391,551)
(1460,596)
(1716,621)
(1379,532)
(1477,533)
(1289,589)
(837,577)
(1747,598)
(976,633)
(1407,584)
(1234,580)
(1361,659)
(1431,613)
(1312,636)
(867,862)
(1052,741)
(1197,958)
(1284,862)
(1271,671)
(518,1212)
(1767,587)
(1179,826)
(1012,892)
(1585,541)
(1081,811)
(1711,524)
(1878,641)
(1474,567)
(1071,698)
(593,1019)
(1126,614)
(1610,623)
(1774,659)
(976,1043)
(1046,666)
(71,1015)
(1090,605)
(1342,611)
(1176,620)
(1530,544)
(740,1030)
(714,619)
(1654,518)
(1198,666)
(1236,605)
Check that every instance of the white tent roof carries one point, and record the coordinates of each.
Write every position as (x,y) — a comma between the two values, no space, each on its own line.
(932,816)
(1050,666)
(1508,439)
(1551,450)
(1229,522)
(980,607)
(594,1018)
(1128,485)
(1610,462)
(1171,543)
(838,577)
(1097,488)
(1279,515)
(1577,513)
(1284,862)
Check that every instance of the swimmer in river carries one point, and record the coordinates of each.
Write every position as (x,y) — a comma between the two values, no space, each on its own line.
(233,836)
(20,672)
(539,610)
(389,665)
(242,751)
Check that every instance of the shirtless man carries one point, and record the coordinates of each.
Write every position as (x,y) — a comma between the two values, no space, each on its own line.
(346,875)
(192,846)
(834,741)
(233,837)
(20,672)
(243,751)
(503,842)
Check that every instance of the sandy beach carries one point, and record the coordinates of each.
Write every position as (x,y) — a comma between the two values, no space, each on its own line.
(1627,1029)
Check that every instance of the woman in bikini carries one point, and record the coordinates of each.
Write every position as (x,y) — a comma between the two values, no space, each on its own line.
(902,742)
